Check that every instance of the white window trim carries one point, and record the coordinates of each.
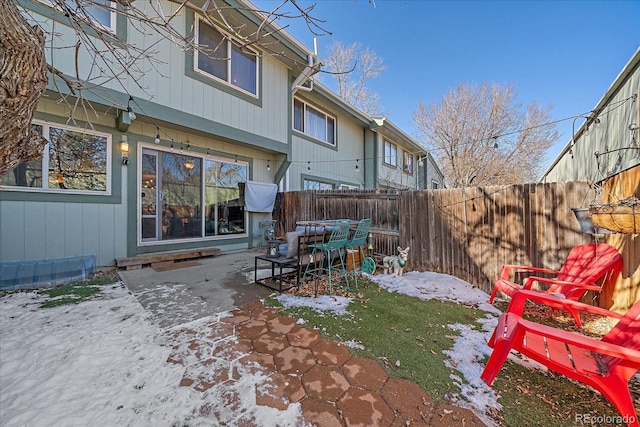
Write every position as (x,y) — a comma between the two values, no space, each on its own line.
(405,169)
(230,41)
(348,187)
(320,110)
(395,157)
(203,158)
(45,163)
(112,14)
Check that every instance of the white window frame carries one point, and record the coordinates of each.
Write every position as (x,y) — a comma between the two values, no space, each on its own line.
(46,126)
(112,14)
(390,159)
(348,187)
(407,166)
(202,158)
(306,106)
(320,184)
(230,44)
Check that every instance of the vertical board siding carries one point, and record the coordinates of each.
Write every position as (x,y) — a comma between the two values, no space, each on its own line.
(468,233)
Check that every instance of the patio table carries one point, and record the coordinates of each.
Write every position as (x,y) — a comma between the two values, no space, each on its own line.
(278,278)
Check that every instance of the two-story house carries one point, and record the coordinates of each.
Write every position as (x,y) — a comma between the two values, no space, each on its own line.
(161,162)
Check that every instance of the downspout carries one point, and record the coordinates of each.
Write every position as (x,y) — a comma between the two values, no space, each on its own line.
(313,67)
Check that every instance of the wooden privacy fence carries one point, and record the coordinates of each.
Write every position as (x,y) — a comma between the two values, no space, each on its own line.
(468,233)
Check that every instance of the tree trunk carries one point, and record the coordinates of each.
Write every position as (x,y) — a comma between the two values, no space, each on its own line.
(23,79)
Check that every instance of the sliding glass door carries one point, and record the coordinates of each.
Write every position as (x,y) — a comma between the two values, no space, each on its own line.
(189,197)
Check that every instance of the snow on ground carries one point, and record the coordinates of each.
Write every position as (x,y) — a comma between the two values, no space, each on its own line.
(104,361)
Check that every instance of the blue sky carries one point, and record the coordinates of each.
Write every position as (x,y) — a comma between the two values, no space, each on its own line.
(560,53)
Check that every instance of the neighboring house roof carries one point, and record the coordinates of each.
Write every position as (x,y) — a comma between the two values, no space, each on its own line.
(628,69)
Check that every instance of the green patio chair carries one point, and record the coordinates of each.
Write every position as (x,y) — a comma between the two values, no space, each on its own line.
(329,250)
(358,239)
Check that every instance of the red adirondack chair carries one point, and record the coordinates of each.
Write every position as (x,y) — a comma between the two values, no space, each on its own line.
(607,364)
(584,265)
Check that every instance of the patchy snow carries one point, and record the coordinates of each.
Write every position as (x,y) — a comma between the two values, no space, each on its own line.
(336,304)
(104,361)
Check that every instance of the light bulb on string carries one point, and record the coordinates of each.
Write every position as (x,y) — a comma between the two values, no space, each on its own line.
(357,166)
(157,140)
(172,146)
(207,153)
(181,148)
(269,165)
(308,166)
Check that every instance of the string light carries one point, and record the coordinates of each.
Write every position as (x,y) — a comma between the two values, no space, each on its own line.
(591,115)
(268,165)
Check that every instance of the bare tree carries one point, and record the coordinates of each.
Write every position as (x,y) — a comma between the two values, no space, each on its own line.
(353,68)
(23,79)
(480,135)
(28,54)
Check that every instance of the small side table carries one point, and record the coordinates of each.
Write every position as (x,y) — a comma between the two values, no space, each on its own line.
(281,262)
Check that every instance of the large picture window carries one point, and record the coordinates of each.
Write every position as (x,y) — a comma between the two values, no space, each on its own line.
(222,59)
(313,122)
(74,160)
(187,197)
(390,153)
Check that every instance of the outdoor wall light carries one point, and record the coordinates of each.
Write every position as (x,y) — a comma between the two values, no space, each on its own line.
(189,164)
(124,149)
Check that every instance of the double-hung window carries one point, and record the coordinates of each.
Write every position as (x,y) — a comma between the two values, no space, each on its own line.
(407,164)
(219,57)
(313,122)
(390,154)
(74,161)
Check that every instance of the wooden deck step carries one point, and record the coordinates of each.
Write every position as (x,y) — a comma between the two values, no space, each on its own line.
(164,258)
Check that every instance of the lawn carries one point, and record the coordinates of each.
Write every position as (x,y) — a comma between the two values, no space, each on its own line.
(414,338)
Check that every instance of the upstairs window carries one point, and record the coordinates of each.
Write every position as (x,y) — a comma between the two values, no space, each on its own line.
(407,164)
(102,12)
(313,122)
(222,59)
(390,154)
(75,160)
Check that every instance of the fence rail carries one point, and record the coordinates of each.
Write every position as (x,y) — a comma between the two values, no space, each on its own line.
(468,233)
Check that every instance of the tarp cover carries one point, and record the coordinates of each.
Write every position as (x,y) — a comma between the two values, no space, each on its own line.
(260,196)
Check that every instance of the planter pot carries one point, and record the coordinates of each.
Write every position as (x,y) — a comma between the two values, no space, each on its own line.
(621,217)
(583,215)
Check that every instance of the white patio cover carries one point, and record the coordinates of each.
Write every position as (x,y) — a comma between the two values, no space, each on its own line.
(260,196)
